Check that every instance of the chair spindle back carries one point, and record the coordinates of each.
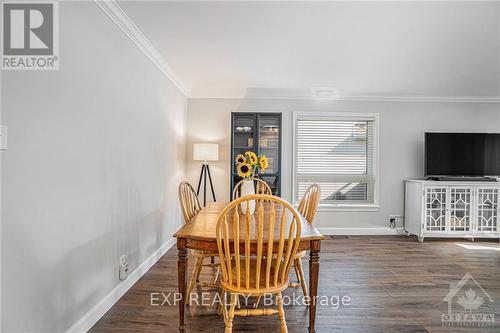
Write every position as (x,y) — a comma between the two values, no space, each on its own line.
(261,187)
(309,203)
(246,242)
(188,199)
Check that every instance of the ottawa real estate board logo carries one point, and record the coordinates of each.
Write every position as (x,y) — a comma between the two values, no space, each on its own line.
(469,305)
(30,38)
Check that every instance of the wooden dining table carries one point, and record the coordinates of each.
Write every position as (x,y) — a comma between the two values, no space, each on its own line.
(199,234)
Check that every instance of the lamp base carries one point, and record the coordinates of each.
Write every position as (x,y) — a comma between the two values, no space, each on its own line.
(205,170)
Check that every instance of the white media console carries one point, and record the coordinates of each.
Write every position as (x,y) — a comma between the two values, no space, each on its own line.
(452,208)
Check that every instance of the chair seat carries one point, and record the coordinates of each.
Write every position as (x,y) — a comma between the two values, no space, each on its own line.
(253,291)
(203,254)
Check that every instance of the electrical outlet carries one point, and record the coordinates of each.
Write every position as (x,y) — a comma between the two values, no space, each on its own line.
(396,221)
(123,272)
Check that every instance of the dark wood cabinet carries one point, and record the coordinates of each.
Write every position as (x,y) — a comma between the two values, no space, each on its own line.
(260,133)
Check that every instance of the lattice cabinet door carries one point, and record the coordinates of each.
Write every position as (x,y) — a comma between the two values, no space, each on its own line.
(460,209)
(487,209)
(435,209)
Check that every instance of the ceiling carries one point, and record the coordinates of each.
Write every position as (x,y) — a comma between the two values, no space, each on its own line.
(226,49)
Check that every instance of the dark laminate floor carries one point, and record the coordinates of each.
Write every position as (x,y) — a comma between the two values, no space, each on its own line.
(395,284)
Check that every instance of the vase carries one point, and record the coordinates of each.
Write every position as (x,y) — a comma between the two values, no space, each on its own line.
(247,187)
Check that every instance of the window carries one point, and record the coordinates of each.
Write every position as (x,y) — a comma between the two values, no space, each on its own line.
(339,152)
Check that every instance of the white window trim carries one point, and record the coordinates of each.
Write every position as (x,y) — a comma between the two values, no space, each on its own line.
(361,207)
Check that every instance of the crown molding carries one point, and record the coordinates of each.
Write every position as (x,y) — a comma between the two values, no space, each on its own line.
(422,99)
(305,94)
(123,21)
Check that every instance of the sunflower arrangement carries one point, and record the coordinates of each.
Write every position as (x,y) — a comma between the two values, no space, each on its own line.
(248,163)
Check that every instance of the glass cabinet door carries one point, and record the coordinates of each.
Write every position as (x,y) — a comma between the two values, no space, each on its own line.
(269,127)
(460,209)
(487,209)
(243,133)
(243,139)
(435,209)
(269,145)
(260,133)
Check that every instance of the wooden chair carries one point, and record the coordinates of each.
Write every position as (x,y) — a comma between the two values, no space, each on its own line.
(308,206)
(190,206)
(261,187)
(259,272)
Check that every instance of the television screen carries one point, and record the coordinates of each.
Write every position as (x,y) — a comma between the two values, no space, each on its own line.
(462,154)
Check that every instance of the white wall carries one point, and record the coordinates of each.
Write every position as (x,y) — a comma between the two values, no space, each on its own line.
(96,151)
(402,125)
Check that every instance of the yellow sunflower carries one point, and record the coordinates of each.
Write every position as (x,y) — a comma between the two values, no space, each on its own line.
(244,170)
(263,163)
(240,159)
(252,157)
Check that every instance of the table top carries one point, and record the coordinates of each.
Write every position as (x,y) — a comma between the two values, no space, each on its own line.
(203,225)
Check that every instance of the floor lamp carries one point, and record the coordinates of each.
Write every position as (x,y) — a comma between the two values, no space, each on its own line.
(205,152)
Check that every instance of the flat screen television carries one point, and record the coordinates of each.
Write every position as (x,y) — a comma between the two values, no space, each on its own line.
(462,154)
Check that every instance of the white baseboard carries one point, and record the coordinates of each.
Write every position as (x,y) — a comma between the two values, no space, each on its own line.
(92,316)
(358,231)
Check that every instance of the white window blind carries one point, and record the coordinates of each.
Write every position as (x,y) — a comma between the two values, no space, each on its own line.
(339,154)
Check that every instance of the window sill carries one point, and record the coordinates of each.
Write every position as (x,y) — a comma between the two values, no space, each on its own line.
(349,208)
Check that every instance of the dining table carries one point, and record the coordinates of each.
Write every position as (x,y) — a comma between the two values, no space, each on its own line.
(199,233)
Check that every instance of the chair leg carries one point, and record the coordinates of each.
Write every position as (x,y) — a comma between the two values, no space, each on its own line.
(230,314)
(298,265)
(297,273)
(192,281)
(198,272)
(223,307)
(281,314)
(297,270)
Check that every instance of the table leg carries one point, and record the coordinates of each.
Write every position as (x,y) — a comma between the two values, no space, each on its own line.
(182,263)
(313,282)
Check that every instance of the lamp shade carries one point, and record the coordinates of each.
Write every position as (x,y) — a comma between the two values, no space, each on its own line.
(205,152)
